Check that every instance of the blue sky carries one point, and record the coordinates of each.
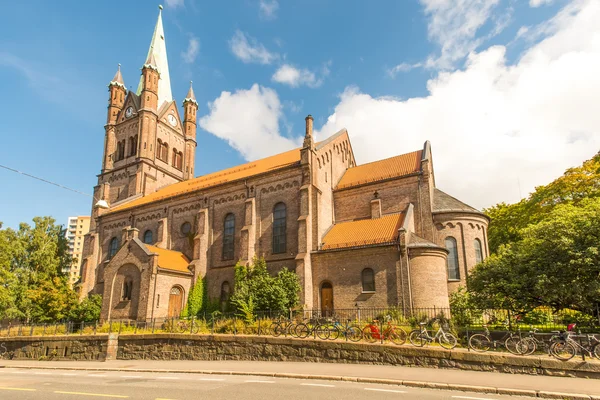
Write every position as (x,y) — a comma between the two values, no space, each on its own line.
(502,88)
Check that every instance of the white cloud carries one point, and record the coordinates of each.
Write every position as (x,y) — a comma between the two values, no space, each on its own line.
(453,24)
(249,50)
(292,76)
(189,56)
(268,9)
(403,67)
(249,121)
(174,3)
(493,126)
(537,3)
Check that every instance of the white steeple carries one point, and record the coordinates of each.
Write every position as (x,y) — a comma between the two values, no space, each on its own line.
(158,49)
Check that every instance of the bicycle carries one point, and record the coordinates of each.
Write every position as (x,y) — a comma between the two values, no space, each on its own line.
(565,347)
(532,343)
(392,333)
(284,327)
(421,337)
(302,330)
(481,342)
(350,332)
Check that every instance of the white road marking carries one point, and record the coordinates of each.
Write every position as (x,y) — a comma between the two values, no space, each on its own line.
(132,376)
(211,379)
(385,390)
(167,377)
(98,375)
(317,384)
(18,372)
(69,374)
(254,381)
(42,373)
(472,398)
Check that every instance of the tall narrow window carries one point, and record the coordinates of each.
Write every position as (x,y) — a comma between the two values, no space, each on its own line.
(368,280)
(452,263)
(225,292)
(174,161)
(279,228)
(228,236)
(148,237)
(478,252)
(127,289)
(133,146)
(113,247)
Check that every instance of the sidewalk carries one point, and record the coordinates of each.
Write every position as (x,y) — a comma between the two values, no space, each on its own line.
(489,382)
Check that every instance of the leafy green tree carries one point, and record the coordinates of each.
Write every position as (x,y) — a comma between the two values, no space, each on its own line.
(196,299)
(255,289)
(88,310)
(556,263)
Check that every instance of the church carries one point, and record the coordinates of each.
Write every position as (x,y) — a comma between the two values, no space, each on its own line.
(373,235)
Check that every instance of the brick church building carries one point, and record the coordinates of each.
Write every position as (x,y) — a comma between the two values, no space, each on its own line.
(371,235)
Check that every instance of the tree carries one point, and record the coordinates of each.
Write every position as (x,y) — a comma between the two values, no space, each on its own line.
(88,310)
(196,299)
(573,187)
(556,263)
(255,289)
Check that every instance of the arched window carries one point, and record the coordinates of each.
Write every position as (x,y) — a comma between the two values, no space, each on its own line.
(113,247)
(133,145)
(368,280)
(148,237)
(228,236)
(225,292)
(452,263)
(279,228)
(478,252)
(180,161)
(165,152)
(174,161)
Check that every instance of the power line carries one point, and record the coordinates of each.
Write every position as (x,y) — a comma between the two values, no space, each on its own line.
(44,180)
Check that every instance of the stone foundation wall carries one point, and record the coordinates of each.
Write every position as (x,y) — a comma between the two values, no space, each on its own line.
(89,348)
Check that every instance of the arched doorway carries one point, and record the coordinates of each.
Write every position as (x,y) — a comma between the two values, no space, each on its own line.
(175,301)
(326,299)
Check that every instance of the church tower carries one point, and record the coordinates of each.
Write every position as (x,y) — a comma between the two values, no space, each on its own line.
(147,145)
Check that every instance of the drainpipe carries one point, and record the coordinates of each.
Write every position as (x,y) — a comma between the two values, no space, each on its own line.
(462,238)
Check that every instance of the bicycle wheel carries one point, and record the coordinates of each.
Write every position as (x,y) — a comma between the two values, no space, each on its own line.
(514,345)
(529,346)
(354,334)
(596,350)
(322,332)
(397,336)
(277,329)
(302,331)
(447,341)
(367,334)
(416,338)
(562,350)
(480,343)
(334,332)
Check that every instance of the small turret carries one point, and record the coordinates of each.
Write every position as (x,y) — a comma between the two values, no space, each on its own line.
(308,136)
(117,90)
(151,76)
(190,107)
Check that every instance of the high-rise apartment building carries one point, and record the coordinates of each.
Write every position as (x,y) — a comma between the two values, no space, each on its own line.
(77,227)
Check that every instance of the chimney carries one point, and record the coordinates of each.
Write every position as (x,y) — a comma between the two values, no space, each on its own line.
(308,136)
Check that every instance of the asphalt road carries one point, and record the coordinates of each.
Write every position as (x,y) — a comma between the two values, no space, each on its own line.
(20,384)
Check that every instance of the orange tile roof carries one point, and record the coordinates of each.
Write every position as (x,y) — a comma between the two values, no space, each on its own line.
(363,232)
(170,259)
(394,167)
(216,178)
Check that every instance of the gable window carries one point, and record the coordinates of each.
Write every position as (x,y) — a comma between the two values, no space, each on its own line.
(113,247)
(368,280)
(478,252)
(228,236)
(148,237)
(452,261)
(279,228)
(127,289)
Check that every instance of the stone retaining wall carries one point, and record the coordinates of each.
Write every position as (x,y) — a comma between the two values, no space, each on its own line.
(230,347)
(84,347)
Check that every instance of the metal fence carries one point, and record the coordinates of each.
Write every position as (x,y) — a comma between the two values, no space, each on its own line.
(260,323)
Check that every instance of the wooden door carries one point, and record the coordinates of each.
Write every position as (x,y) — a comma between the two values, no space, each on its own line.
(175,301)
(326,299)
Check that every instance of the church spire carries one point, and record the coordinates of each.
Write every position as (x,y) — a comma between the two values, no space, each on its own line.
(118,78)
(157,58)
(191,97)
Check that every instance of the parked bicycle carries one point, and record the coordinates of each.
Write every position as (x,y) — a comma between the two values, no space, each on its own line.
(283,327)
(320,330)
(350,332)
(420,337)
(532,342)
(564,347)
(511,341)
(371,333)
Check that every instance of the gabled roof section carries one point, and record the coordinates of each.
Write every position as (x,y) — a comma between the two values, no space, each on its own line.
(365,232)
(157,57)
(394,167)
(330,139)
(443,202)
(264,165)
(170,259)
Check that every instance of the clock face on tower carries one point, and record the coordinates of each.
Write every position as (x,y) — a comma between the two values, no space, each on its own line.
(172,120)
(129,112)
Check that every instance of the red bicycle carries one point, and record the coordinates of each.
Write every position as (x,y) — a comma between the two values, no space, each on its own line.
(371,333)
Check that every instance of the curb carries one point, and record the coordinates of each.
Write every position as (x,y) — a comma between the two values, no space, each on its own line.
(395,382)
